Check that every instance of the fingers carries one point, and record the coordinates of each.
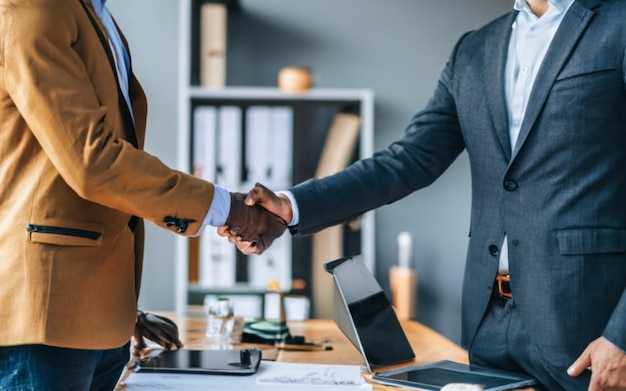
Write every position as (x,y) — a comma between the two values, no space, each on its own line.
(579,366)
(241,218)
(248,248)
(608,363)
(253,223)
(229,234)
(245,247)
(156,328)
(259,194)
(223,231)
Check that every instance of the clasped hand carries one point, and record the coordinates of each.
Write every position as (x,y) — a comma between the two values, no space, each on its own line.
(254,227)
(256,219)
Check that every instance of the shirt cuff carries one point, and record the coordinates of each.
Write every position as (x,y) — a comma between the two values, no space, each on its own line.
(219,209)
(295,212)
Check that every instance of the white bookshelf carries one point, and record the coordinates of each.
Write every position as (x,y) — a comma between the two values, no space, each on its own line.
(191,95)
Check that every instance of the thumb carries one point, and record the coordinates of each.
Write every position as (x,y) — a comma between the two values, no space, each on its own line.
(262,196)
(258,194)
(583,362)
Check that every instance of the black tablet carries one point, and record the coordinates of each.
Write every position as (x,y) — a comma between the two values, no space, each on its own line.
(212,362)
(434,376)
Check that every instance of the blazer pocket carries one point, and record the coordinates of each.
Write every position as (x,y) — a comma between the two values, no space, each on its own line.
(591,241)
(587,80)
(585,72)
(85,235)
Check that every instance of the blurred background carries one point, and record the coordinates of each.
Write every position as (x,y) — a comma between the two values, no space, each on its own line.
(396,48)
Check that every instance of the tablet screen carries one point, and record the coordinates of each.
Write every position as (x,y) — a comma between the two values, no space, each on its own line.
(440,377)
(435,375)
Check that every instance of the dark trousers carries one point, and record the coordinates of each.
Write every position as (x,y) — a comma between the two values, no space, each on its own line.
(503,342)
(47,368)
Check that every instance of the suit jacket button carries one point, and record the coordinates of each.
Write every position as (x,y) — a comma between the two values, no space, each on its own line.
(493,250)
(510,185)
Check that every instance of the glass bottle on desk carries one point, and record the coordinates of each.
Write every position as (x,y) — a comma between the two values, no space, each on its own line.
(223,328)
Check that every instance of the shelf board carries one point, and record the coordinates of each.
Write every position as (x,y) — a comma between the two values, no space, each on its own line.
(237,289)
(277,94)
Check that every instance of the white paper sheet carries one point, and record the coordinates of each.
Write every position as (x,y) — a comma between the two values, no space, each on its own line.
(270,376)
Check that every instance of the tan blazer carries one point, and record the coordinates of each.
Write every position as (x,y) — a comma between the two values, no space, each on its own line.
(70,265)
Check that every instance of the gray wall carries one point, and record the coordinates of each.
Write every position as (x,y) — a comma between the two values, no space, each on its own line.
(395,47)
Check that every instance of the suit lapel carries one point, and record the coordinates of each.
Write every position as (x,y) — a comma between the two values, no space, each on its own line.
(496,53)
(570,30)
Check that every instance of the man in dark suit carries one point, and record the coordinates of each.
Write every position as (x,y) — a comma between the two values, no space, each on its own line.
(537,98)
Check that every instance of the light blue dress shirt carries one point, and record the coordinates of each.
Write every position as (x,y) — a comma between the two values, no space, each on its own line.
(120,55)
(218,212)
(530,38)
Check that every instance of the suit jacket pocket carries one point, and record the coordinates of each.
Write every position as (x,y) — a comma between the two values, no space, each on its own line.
(579,241)
(587,71)
(82,234)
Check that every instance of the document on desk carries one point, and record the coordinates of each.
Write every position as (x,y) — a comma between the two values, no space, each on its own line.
(270,376)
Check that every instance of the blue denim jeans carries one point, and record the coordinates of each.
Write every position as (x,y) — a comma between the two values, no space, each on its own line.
(48,368)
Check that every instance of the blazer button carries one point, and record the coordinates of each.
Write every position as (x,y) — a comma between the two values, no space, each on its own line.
(493,250)
(510,185)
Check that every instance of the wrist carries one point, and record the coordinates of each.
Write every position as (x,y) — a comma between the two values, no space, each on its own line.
(291,214)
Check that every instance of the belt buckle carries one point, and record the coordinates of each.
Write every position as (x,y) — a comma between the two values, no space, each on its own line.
(504,287)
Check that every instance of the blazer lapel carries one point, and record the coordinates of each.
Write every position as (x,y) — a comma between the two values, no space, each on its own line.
(570,30)
(496,53)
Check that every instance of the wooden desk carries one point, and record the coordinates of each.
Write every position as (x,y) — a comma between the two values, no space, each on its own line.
(427,344)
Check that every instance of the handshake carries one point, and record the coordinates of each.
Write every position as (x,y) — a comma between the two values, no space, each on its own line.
(256,219)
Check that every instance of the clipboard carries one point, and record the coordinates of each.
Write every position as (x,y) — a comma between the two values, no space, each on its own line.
(238,362)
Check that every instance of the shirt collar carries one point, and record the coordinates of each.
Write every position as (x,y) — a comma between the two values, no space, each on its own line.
(560,5)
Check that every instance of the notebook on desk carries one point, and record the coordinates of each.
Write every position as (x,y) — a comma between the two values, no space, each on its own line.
(365,315)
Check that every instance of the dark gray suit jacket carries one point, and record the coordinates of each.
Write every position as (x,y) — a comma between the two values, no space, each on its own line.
(559,196)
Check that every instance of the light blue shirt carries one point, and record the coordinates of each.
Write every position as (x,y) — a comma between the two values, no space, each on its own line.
(220,207)
(530,38)
(120,55)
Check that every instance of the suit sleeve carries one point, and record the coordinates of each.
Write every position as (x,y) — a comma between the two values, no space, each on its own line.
(614,330)
(431,142)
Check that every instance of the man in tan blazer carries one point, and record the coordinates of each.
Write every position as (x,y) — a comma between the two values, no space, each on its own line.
(75,187)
